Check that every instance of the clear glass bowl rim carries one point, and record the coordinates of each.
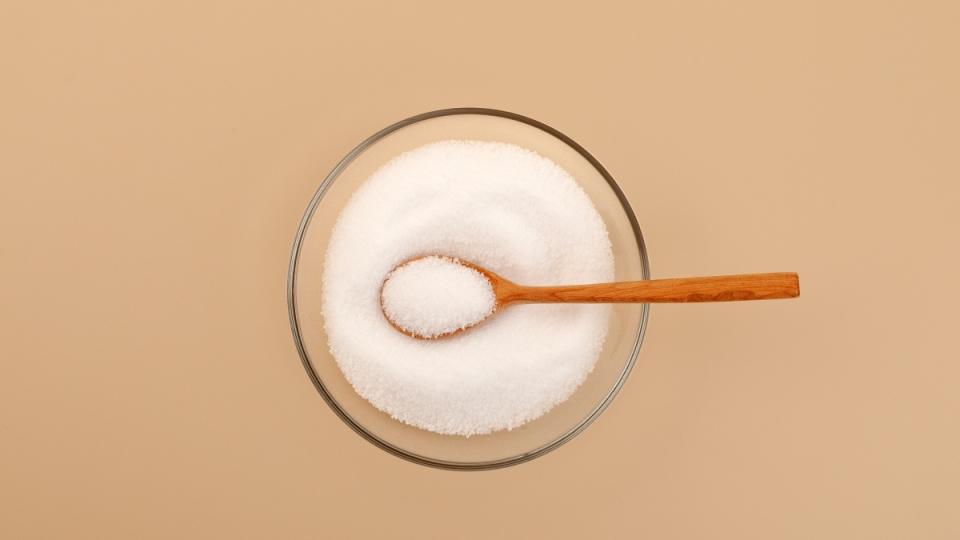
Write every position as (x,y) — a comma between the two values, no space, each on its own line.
(343,414)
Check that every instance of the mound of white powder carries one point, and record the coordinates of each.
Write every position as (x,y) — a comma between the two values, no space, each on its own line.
(434,296)
(506,209)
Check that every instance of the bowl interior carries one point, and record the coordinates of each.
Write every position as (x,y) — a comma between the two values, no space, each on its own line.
(498,449)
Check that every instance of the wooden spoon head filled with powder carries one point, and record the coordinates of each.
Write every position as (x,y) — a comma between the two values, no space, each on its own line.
(435,296)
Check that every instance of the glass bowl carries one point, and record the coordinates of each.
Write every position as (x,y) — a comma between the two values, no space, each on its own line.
(503,448)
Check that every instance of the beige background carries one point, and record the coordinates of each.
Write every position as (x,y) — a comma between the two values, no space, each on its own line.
(155,159)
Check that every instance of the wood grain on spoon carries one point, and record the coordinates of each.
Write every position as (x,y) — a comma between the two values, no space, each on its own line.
(676,290)
(691,289)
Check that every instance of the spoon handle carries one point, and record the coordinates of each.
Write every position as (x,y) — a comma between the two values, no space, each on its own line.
(691,289)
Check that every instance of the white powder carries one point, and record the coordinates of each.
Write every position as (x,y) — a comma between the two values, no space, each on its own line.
(434,295)
(506,209)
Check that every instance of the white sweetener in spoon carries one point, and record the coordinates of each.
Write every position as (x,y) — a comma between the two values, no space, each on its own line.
(436,295)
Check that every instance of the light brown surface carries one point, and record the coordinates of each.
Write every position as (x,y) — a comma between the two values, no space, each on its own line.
(157,157)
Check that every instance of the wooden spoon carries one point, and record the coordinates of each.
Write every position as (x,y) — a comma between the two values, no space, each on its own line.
(691,289)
